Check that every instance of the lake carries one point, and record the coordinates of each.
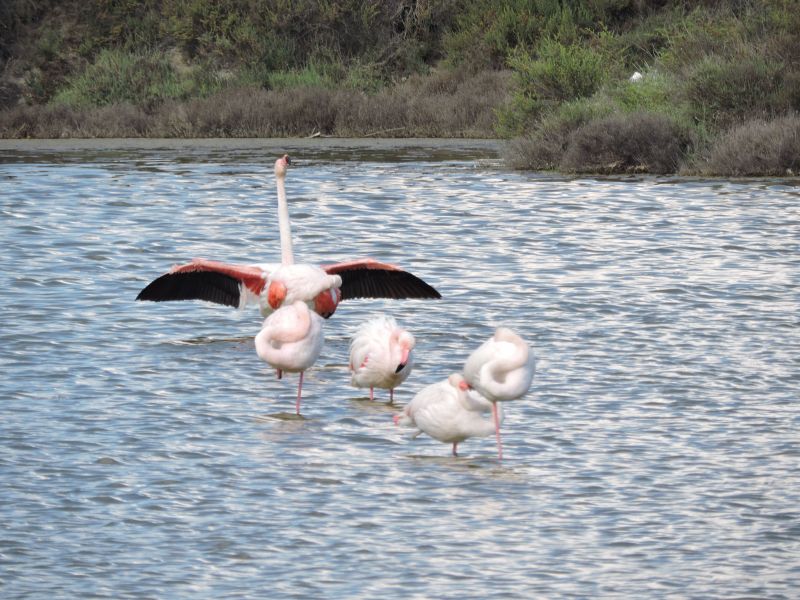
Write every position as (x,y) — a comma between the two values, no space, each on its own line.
(657,454)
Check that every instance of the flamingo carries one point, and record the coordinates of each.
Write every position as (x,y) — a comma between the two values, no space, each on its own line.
(448,411)
(380,355)
(273,285)
(501,369)
(291,340)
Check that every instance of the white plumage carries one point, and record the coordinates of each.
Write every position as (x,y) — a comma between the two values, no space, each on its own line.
(291,340)
(501,368)
(448,411)
(381,355)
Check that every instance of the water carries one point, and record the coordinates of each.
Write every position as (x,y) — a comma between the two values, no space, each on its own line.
(655,456)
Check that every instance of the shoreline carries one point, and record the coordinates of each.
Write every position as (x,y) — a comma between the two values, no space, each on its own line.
(318,143)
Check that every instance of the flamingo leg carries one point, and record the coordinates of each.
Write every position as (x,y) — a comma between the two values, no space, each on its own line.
(280,373)
(391,395)
(497,431)
(455,448)
(371,394)
(299,393)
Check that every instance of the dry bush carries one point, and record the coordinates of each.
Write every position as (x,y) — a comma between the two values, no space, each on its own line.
(756,148)
(60,121)
(116,121)
(16,122)
(465,107)
(627,143)
(384,114)
(39,122)
(246,112)
(540,151)
(543,147)
(462,106)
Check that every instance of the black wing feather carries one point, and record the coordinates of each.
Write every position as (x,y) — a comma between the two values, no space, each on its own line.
(193,285)
(380,283)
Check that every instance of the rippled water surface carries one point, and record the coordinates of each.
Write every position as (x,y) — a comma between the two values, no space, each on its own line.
(656,455)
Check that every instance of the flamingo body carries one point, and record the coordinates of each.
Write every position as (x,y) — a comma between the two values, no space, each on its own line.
(449,412)
(291,340)
(322,288)
(381,355)
(501,368)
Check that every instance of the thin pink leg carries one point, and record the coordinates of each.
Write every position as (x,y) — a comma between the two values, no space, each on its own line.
(299,393)
(455,448)
(371,394)
(497,431)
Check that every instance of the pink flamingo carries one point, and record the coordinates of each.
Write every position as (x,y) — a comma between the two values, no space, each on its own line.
(501,369)
(273,285)
(448,411)
(380,355)
(291,340)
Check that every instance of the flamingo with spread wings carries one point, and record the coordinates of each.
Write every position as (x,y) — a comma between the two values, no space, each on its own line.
(274,285)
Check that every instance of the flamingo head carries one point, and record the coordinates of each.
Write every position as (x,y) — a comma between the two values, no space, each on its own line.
(281,164)
(326,301)
(403,343)
(276,294)
(457,381)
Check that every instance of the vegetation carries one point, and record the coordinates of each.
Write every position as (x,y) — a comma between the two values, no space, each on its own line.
(719,91)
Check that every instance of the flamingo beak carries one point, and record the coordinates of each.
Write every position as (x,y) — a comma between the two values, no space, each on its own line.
(403,360)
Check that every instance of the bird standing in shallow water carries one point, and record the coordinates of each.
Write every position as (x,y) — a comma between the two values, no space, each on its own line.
(273,285)
(448,411)
(501,369)
(381,355)
(291,340)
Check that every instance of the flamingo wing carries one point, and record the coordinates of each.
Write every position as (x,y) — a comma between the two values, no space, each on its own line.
(208,280)
(369,278)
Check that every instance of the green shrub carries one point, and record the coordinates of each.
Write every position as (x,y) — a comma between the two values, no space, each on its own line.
(558,73)
(141,79)
(485,34)
(723,91)
(309,76)
(653,93)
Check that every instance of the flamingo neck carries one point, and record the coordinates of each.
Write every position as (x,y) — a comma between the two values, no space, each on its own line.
(501,367)
(287,256)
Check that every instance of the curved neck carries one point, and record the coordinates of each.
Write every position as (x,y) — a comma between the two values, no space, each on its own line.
(518,359)
(287,256)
